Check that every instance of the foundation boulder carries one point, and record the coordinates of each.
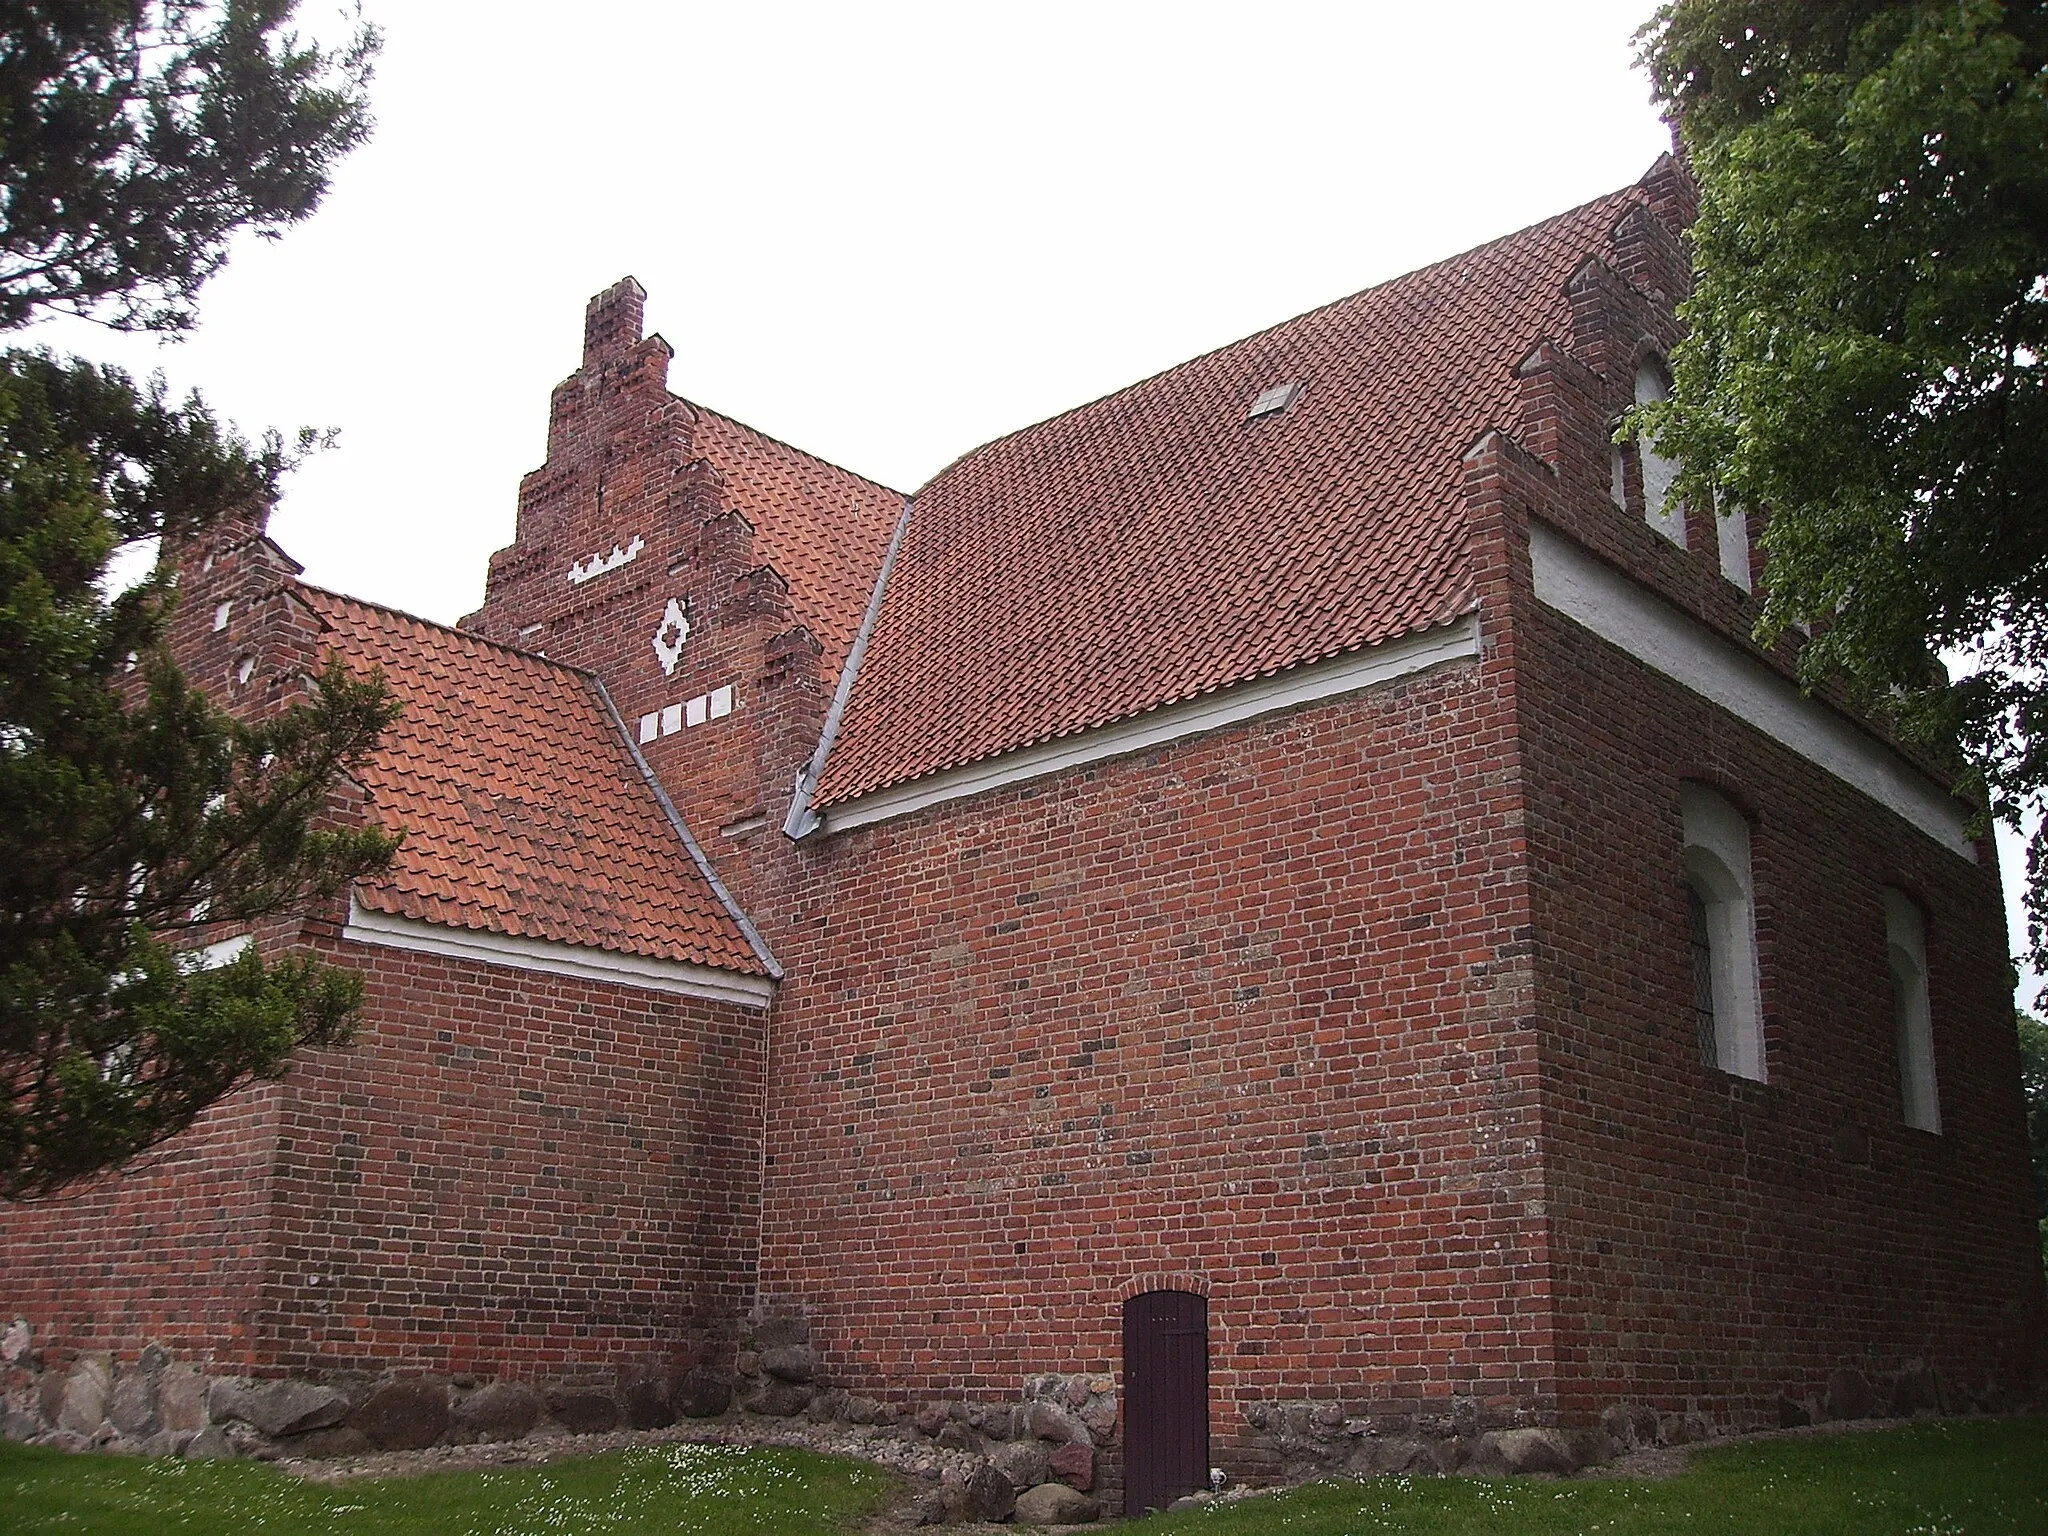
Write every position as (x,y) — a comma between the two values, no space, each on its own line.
(82,1402)
(1850,1395)
(403,1416)
(1025,1463)
(280,1408)
(982,1494)
(582,1411)
(503,1410)
(1074,1465)
(701,1394)
(1055,1504)
(645,1404)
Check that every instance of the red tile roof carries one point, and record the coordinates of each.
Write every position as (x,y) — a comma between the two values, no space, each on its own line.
(823,527)
(524,812)
(1156,545)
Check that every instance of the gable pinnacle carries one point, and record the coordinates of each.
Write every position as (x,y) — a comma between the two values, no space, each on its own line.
(613,321)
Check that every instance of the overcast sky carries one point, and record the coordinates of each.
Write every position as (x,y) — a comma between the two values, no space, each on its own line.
(883,232)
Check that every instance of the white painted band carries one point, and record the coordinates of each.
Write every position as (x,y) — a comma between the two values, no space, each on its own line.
(551,955)
(1338,675)
(1572,580)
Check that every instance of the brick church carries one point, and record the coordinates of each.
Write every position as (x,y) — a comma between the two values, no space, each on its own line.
(1282,903)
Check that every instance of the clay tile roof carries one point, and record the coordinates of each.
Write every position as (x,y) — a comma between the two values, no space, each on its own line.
(524,812)
(824,528)
(1156,545)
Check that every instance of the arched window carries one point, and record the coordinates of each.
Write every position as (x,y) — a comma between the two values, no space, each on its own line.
(1653,384)
(1720,903)
(1905,932)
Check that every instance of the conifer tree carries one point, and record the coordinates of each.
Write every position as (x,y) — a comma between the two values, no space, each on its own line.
(135,141)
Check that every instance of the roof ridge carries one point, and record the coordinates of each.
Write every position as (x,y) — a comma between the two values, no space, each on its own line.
(1279,325)
(802,453)
(452,629)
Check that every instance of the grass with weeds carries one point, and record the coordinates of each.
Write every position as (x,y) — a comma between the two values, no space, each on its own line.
(1983,1478)
(679,1490)
(1934,1479)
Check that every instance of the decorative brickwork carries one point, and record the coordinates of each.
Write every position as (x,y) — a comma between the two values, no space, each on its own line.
(1368,1015)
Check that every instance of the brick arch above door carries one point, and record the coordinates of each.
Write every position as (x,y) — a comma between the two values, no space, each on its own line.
(1162,1280)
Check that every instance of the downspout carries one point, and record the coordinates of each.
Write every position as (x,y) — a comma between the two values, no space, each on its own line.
(802,821)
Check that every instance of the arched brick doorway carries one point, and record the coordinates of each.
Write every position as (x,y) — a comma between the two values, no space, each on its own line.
(1166,1398)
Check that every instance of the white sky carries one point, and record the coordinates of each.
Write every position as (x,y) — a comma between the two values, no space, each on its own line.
(883,232)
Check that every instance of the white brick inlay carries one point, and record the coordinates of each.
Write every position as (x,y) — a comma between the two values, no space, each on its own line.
(597,565)
(670,635)
(705,707)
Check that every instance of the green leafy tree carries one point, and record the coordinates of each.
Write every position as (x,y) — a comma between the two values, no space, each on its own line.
(1865,358)
(135,140)
(2034,1080)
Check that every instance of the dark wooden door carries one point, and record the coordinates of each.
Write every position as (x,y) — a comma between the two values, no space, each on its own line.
(1166,1398)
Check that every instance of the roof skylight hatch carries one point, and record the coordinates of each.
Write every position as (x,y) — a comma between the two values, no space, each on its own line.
(1274,400)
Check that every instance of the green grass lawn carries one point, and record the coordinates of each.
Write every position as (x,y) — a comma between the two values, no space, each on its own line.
(1930,1479)
(1933,1479)
(679,1490)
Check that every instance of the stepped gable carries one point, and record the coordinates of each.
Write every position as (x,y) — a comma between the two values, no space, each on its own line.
(523,809)
(822,527)
(1156,545)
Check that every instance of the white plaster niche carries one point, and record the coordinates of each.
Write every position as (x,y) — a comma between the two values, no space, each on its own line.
(1731,525)
(1658,471)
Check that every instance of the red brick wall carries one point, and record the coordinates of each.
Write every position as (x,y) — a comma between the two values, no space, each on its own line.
(508,1171)
(1719,1240)
(515,1171)
(173,1250)
(1246,1009)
